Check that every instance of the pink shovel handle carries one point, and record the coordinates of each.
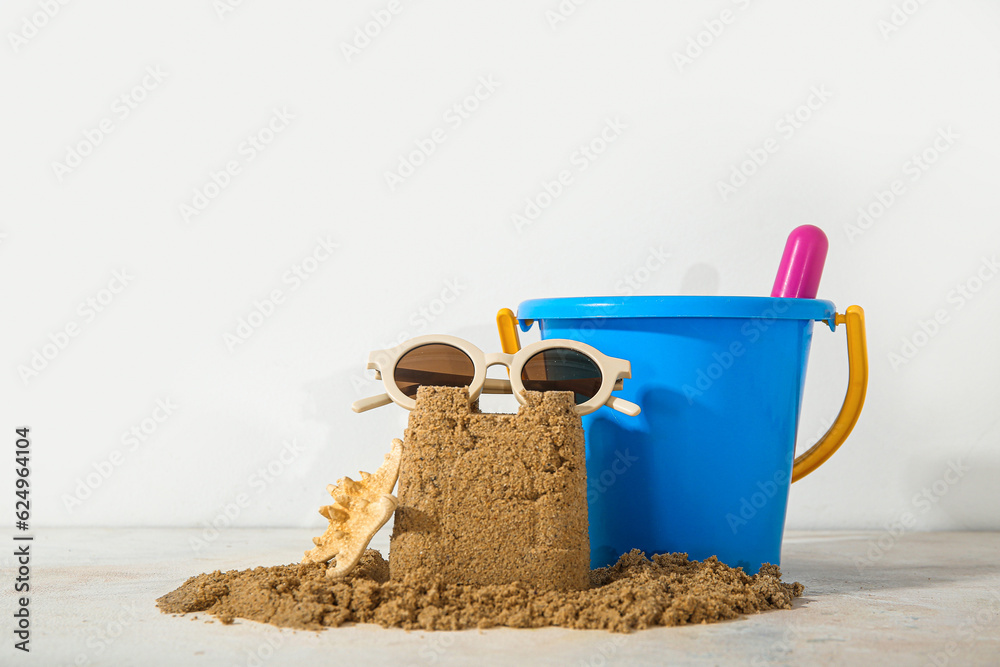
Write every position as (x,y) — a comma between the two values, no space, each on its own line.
(801,264)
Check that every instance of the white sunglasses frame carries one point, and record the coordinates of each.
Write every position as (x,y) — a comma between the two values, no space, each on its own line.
(613,371)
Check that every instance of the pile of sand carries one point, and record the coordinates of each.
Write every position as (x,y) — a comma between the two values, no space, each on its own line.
(633,594)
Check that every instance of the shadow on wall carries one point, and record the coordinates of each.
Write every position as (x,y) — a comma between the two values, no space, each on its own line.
(328,401)
(957,490)
(700,280)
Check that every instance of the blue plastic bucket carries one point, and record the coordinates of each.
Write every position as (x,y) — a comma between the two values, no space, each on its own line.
(706,468)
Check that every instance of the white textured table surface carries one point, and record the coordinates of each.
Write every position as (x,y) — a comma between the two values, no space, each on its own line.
(920,599)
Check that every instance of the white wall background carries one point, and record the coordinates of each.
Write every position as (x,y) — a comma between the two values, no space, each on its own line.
(892,89)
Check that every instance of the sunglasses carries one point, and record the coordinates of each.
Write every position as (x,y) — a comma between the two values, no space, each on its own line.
(548,365)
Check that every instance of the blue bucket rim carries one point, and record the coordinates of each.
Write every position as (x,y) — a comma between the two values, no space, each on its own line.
(586,307)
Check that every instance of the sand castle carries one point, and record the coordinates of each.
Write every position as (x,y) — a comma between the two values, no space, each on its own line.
(493,498)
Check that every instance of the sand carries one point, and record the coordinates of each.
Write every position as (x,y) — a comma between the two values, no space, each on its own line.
(492,498)
(634,594)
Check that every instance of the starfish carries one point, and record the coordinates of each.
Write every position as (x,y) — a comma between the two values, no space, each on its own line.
(359,509)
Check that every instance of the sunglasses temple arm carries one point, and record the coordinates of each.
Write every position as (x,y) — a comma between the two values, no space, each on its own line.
(625,407)
(365,404)
(497,386)
(370,403)
(493,386)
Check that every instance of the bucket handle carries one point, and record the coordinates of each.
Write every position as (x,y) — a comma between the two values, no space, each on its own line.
(854,400)
(510,343)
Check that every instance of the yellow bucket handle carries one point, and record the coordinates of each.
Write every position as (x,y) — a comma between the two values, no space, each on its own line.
(510,343)
(857,386)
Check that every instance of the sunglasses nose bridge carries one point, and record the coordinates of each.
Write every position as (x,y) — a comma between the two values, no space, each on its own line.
(499,359)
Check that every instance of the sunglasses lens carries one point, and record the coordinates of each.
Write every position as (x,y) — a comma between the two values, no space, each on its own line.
(434,365)
(562,369)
